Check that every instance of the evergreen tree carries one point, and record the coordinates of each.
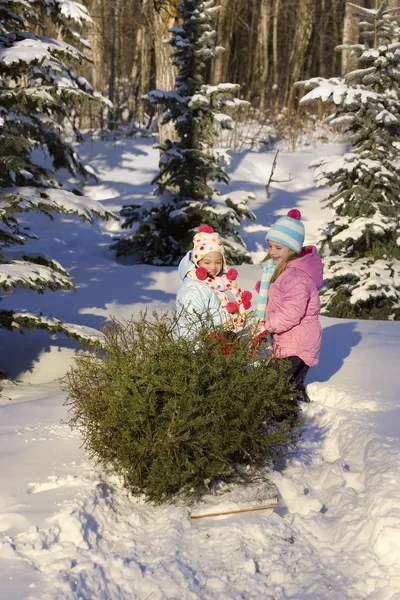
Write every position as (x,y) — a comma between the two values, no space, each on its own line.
(179,431)
(39,88)
(361,238)
(185,197)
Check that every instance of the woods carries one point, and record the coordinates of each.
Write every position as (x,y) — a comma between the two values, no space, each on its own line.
(268,45)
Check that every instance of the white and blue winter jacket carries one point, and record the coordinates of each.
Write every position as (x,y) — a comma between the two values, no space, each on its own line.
(196,302)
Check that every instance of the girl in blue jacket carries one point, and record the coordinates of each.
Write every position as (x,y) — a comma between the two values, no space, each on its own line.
(209,293)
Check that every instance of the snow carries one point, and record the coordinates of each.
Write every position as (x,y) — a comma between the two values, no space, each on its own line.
(72,10)
(338,91)
(32,49)
(21,272)
(69,531)
(375,279)
(57,199)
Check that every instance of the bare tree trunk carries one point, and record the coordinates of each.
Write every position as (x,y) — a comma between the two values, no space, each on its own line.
(224,27)
(141,66)
(275,53)
(262,56)
(304,24)
(95,39)
(350,36)
(113,62)
(322,26)
(164,18)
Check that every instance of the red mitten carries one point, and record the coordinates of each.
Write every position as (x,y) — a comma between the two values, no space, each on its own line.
(257,287)
(232,274)
(226,341)
(261,338)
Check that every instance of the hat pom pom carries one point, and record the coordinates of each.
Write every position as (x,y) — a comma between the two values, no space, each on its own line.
(294,213)
(232,307)
(201,273)
(206,229)
(232,274)
(257,286)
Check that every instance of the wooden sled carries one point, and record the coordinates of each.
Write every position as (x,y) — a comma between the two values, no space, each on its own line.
(236,499)
(268,505)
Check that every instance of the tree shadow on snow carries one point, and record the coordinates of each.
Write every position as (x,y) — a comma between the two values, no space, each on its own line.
(338,340)
(103,290)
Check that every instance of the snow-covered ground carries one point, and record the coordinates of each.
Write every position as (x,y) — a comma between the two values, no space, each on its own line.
(68,532)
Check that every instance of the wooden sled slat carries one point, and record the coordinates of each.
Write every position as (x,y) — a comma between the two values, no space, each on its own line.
(272,503)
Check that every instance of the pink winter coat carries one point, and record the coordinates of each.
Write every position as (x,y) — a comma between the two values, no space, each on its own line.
(293,308)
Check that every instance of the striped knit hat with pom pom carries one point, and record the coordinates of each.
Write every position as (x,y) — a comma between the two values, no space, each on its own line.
(288,231)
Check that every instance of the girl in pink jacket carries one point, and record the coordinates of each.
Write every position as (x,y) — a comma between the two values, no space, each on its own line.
(289,305)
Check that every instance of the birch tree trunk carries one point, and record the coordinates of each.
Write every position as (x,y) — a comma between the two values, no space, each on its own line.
(224,28)
(262,53)
(275,53)
(141,70)
(164,19)
(304,25)
(350,36)
(112,80)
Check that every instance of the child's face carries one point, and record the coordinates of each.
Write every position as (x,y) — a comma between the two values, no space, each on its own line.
(213,263)
(278,252)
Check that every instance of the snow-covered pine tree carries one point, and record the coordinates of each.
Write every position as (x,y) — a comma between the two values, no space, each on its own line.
(361,238)
(38,90)
(184,196)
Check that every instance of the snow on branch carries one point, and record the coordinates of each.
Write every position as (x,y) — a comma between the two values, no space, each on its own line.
(14,320)
(72,10)
(336,91)
(37,49)
(20,199)
(31,275)
(368,279)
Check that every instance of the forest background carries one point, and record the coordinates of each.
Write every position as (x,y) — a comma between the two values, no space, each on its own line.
(268,46)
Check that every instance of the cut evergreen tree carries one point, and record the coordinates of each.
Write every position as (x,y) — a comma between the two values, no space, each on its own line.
(184,196)
(39,89)
(360,240)
(176,416)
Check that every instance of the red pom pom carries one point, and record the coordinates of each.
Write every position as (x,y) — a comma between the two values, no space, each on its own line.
(246,297)
(232,274)
(246,303)
(201,273)
(257,287)
(232,307)
(206,229)
(294,214)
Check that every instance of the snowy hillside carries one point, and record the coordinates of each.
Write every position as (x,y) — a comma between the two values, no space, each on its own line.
(66,532)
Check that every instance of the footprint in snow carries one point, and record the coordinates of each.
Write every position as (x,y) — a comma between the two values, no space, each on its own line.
(54,482)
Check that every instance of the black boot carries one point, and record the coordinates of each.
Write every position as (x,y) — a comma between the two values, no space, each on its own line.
(302,395)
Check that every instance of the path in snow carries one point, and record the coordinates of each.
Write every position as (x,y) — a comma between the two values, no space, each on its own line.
(68,533)
(329,539)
